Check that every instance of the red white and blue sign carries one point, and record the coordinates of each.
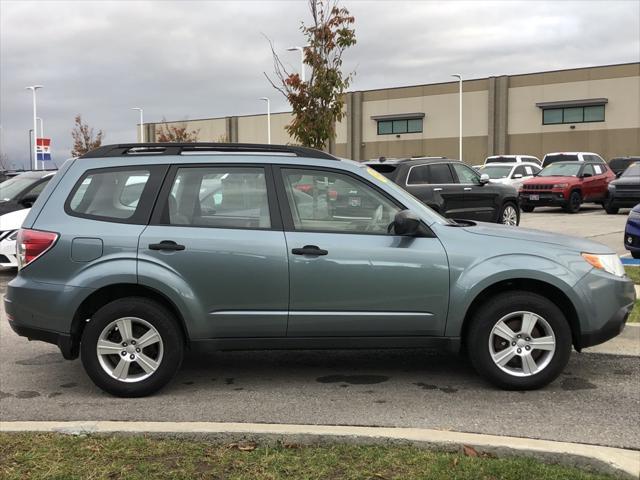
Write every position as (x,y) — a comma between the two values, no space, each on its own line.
(43,149)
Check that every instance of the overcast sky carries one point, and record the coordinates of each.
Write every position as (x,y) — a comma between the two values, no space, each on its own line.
(198,59)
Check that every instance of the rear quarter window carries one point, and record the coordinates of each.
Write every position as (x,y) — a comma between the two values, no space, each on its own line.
(123,195)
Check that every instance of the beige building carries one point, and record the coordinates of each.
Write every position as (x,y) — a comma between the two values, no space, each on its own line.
(593,109)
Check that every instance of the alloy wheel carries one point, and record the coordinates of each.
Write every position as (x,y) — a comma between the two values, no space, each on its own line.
(509,216)
(522,344)
(130,349)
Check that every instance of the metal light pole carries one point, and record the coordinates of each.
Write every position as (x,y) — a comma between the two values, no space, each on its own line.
(268,118)
(141,122)
(459,77)
(39,119)
(34,163)
(301,50)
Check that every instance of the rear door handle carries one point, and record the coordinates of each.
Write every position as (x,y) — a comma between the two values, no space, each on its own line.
(166,245)
(437,189)
(466,189)
(309,250)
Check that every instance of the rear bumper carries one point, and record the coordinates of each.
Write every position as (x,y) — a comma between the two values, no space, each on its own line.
(65,342)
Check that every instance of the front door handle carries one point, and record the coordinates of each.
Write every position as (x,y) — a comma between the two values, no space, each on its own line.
(166,245)
(466,189)
(437,189)
(309,250)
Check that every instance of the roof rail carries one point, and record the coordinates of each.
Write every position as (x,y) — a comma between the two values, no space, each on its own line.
(124,149)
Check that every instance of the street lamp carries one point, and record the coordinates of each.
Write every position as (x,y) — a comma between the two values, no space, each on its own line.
(141,122)
(301,50)
(268,118)
(33,89)
(459,77)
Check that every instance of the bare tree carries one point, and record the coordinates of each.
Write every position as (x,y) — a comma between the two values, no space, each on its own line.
(83,138)
(176,133)
(318,103)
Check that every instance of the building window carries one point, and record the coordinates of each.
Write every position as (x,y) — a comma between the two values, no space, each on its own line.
(405,125)
(592,113)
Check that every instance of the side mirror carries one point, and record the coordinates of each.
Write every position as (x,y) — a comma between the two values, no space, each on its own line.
(586,175)
(484,179)
(28,200)
(406,223)
(618,174)
(517,175)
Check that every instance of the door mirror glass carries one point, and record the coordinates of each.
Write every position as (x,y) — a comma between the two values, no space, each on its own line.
(406,223)
(484,179)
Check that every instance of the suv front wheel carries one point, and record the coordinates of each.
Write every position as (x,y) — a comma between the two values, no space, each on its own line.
(509,215)
(519,341)
(132,347)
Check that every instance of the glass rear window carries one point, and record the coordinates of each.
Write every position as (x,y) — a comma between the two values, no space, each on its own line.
(561,157)
(112,194)
(500,160)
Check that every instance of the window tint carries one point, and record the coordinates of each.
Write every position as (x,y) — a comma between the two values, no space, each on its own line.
(220,197)
(37,190)
(438,173)
(109,193)
(407,125)
(465,174)
(520,171)
(336,203)
(594,113)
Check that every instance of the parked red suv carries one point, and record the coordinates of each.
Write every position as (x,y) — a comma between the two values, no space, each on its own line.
(568,185)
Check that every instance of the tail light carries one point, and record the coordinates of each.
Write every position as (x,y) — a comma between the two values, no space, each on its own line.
(33,244)
(332,194)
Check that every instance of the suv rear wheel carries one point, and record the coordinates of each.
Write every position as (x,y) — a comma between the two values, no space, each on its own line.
(131,347)
(519,341)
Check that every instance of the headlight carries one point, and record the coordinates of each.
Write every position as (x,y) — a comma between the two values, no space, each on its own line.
(560,185)
(609,263)
(611,187)
(634,215)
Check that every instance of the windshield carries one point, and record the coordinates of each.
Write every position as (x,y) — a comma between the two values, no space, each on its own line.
(10,189)
(500,159)
(496,171)
(632,171)
(561,170)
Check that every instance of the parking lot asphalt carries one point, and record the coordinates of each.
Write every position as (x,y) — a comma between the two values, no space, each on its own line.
(590,222)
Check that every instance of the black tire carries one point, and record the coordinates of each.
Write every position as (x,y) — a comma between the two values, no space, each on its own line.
(502,211)
(527,208)
(486,317)
(157,316)
(573,203)
(635,254)
(608,208)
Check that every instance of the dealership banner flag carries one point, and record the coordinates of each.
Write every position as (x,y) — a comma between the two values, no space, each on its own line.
(43,149)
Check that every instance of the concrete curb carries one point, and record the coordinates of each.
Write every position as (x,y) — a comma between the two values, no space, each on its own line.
(603,459)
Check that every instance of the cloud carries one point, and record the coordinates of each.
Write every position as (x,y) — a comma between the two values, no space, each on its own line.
(196,59)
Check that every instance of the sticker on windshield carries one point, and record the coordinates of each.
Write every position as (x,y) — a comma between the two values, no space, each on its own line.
(377,175)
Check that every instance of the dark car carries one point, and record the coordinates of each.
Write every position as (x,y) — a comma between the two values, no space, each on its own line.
(620,164)
(624,192)
(567,185)
(453,189)
(632,232)
(22,190)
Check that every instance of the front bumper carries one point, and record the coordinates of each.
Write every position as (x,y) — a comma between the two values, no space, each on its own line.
(607,302)
(622,199)
(542,199)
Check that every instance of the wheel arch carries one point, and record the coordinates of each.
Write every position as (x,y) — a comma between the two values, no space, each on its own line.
(540,287)
(102,296)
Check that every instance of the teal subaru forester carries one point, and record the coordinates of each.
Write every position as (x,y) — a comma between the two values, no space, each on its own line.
(135,253)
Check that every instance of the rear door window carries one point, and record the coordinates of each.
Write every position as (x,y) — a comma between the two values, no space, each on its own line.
(435,174)
(219,197)
(123,195)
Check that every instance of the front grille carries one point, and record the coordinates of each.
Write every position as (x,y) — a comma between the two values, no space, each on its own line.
(628,188)
(538,187)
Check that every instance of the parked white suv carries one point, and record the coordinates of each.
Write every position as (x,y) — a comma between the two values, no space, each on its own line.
(10,223)
(512,159)
(550,158)
(510,173)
